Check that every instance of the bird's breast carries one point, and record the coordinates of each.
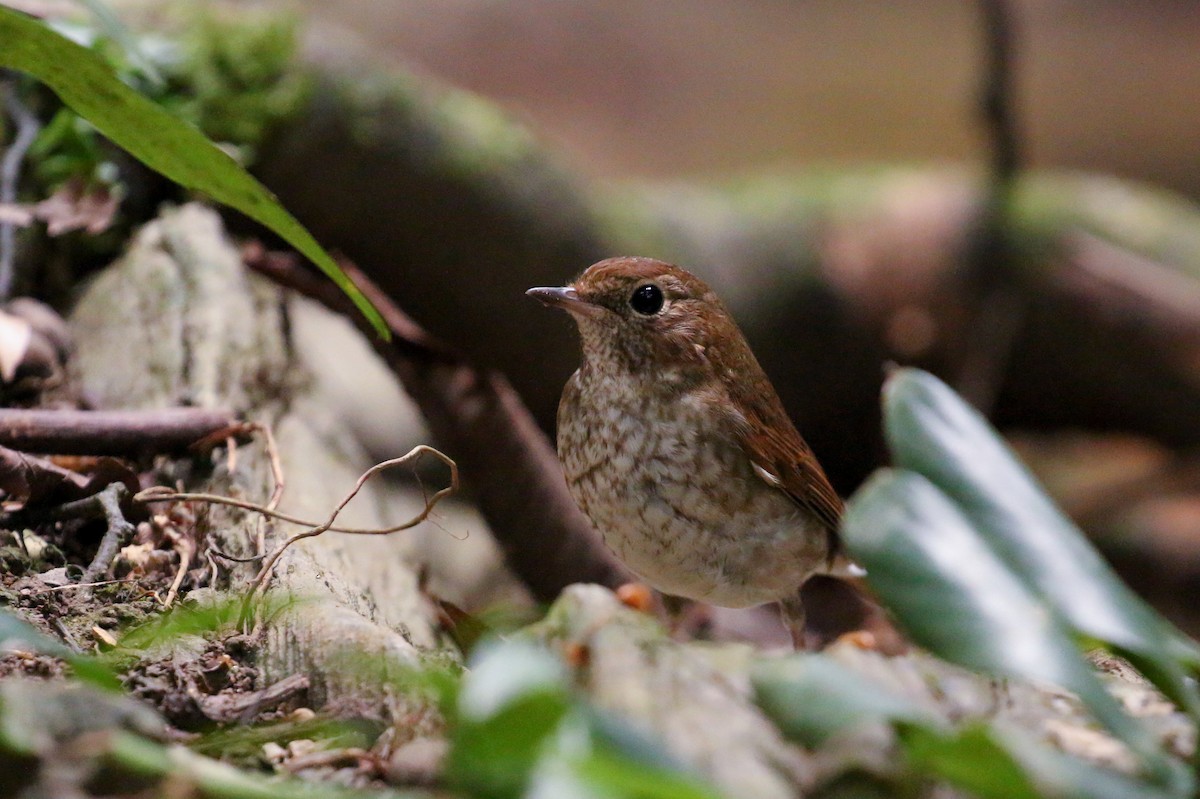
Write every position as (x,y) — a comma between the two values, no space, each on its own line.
(665,481)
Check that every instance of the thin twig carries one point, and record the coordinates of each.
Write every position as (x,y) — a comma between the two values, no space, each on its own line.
(10,174)
(68,639)
(233,558)
(212,566)
(71,586)
(185,560)
(996,95)
(276,476)
(990,263)
(163,494)
(414,454)
(212,549)
(361,758)
(276,465)
(119,531)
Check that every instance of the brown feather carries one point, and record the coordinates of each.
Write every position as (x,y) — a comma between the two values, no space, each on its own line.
(774,445)
(768,435)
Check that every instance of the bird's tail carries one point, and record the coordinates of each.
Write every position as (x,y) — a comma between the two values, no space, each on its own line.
(840,565)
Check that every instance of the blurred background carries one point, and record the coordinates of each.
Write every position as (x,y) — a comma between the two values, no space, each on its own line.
(709,88)
(634,97)
(826,166)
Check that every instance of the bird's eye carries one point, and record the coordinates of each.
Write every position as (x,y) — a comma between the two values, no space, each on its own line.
(647,300)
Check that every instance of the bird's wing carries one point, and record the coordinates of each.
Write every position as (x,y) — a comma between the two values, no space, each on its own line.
(783,459)
(765,432)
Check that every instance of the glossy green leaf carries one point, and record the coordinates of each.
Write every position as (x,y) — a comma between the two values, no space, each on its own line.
(810,698)
(95,672)
(932,431)
(613,734)
(993,763)
(959,600)
(165,144)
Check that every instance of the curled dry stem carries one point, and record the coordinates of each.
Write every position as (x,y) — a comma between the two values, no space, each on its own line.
(163,494)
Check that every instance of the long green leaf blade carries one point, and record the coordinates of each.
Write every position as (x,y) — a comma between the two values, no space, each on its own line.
(957,599)
(932,431)
(167,145)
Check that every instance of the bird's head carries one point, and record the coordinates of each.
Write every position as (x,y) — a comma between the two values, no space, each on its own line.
(641,313)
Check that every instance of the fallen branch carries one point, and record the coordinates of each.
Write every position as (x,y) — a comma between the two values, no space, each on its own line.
(990,266)
(234,708)
(505,457)
(110,432)
(107,502)
(119,532)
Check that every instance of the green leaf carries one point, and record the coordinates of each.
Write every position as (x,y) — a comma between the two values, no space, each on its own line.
(520,730)
(95,672)
(495,758)
(957,599)
(969,758)
(811,697)
(625,762)
(509,706)
(115,29)
(614,775)
(15,633)
(932,431)
(165,144)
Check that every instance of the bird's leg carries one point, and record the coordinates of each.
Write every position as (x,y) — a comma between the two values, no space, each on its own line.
(688,619)
(791,610)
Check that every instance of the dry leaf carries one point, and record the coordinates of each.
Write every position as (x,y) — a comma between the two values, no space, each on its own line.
(137,555)
(72,207)
(15,335)
(104,637)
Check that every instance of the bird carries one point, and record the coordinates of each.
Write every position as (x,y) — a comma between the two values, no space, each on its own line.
(675,445)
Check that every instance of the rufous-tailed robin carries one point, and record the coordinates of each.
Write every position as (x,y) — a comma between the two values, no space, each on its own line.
(674,443)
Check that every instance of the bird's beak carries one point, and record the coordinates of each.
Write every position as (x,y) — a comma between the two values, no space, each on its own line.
(566,298)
